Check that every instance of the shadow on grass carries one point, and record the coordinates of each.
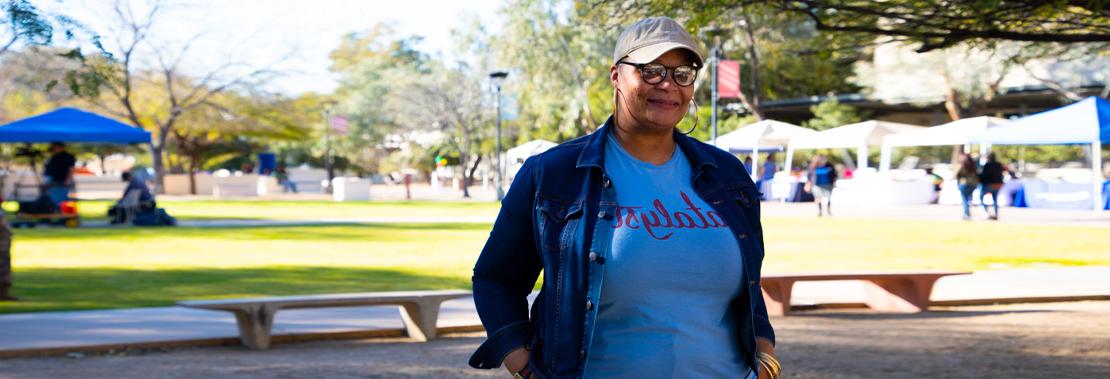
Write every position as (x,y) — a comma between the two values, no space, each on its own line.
(331,231)
(52,289)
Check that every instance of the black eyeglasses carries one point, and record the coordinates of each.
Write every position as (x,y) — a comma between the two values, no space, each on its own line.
(655,73)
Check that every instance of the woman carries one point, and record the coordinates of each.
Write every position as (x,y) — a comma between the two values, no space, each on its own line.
(822,179)
(967,178)
(990,183)
(649,242)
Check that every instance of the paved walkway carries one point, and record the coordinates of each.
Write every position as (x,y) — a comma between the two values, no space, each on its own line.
(84,329)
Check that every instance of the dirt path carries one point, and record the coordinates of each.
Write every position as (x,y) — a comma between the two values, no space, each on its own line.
(1056,340)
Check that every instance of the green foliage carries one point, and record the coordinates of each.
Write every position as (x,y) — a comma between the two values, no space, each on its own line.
(560,69)
(23,21)
(794,59)
(704,130)
(831,113)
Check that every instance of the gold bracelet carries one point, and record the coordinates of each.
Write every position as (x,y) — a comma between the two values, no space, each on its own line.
(771,363)
(766,366)
(774,367)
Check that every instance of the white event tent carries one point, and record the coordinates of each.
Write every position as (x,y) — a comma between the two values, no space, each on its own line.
(1086,122)
(766,135)
(515,157)
(957,132)
(854,136)
(526,150)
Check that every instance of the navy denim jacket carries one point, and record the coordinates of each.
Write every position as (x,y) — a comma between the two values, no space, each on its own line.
(558,217)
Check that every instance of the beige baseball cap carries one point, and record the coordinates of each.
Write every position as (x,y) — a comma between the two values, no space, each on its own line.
(651,37)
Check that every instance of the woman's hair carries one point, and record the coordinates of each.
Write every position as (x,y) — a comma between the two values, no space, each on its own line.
(965,163)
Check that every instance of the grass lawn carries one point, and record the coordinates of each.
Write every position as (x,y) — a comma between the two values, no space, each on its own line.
(297,210)
(66,269)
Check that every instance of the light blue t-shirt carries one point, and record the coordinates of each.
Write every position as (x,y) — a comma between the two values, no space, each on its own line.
(672,271)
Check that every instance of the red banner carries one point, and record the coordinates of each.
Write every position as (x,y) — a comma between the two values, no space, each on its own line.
(728,79)
(339,125)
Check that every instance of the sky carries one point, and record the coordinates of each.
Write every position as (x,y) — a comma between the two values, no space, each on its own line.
(297,34)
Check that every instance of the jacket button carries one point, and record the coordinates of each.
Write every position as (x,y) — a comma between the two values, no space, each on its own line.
(602,214)
(581,354)
(593,257)
(743,235)
(606,182)
(589,305)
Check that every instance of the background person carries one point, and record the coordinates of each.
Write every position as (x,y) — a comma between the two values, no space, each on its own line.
(770,167)
(967,177)
(937,181)
(990,182)
(58,173)
(142,192)
(282,177)
(822,180)
(623,305)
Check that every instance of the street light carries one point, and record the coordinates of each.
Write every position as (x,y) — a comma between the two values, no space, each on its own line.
(328,105)
(496,77)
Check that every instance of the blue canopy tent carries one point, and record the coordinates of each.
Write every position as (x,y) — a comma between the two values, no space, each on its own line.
(1082,123)
(71,125)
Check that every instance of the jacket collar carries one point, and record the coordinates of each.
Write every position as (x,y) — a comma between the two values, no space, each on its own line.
(593,153)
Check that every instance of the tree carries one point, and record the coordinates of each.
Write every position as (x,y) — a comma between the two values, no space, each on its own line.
(23,22)
(932,24)
(28,79)
(941,24)
(111,78)
(781,54)
(229,125)
(565,64)
(371,66)
(448,100)
(831,113)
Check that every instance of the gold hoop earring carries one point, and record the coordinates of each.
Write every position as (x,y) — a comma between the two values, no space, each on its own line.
(695,103)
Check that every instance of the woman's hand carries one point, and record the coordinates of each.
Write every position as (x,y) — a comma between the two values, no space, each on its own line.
(518,360)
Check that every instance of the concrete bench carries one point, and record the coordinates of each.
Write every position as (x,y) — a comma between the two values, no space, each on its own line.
(898,292)
(255,317)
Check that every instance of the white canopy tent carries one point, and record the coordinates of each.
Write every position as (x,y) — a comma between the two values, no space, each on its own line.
(857,136)
(1086,122)
(766,135)
(957,132)
(526,150)
(515,157)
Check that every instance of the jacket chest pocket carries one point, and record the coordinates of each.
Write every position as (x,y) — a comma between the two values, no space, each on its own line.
(556,221)
(746,199)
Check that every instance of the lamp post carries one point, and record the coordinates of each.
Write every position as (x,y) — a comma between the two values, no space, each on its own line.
(496,77)
(328,105)
(714,60)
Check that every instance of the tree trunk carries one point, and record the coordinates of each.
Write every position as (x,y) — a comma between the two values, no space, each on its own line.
(952,105)
(159,170)
(462,163)
(952,100)
(194,162)
(753,56)
(473,167)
